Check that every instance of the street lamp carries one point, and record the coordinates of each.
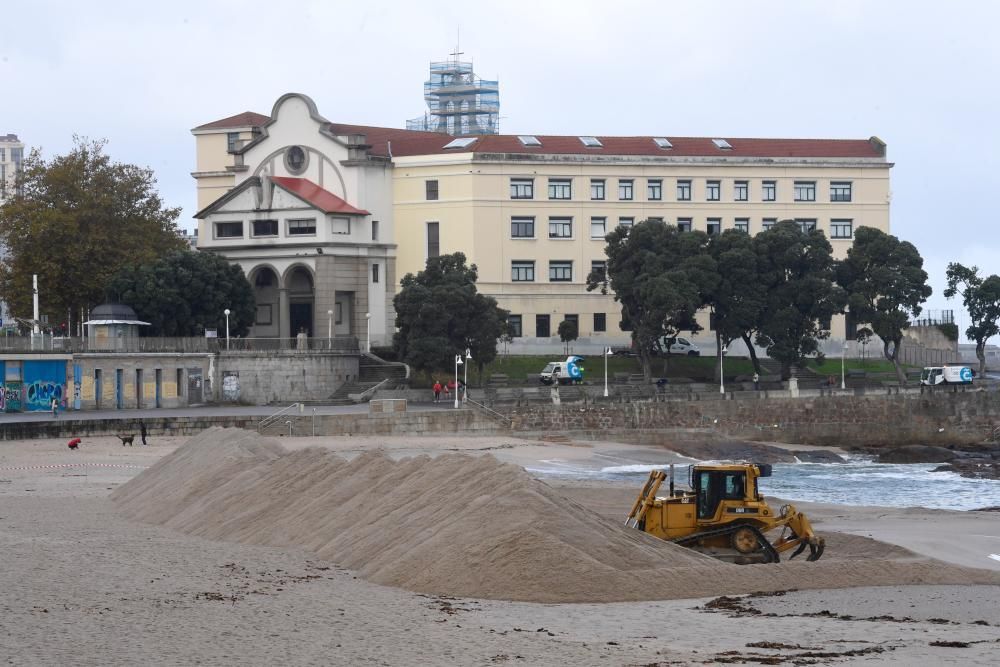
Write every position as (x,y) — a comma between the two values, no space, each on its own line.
(458,362)
(607,351)
(843,380)
(722,356)
(465,387)
(368,340)
(227,311)
(329,328)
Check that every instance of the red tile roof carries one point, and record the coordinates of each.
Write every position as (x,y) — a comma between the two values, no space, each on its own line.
(386,141)
(245,119)
(322,199)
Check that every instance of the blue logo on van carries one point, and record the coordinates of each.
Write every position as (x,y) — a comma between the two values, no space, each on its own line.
(966,374)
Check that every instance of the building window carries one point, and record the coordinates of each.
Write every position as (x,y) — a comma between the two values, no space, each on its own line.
(597,188)
(598,228)
(654,219)
(741,190)
(769,191)
(431,190)
(626,222)
(340,225)
(625,192)
(575,319)
(541,326)
(302,227)
(560,271)
(598,268)
(3,154)
(232,140)
(522,188)
(522,228)
(654,189)
(374,230)
(714,226)
(805,190)
(841,229)
(684,224)
(742,224)
(840,191)
(514,326)
(560,228)
(600,322)
(433,239)
(522,272)
(560,188)
(806,224)
(713,190)
(296,160)
(265,228)
(229,230)
(767,223)
(263,315)
(683,190)
(374,273)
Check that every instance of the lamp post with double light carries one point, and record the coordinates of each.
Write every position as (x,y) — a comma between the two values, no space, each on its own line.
(329,328)
(465,386)
(226,312)
(368,338)
(722,382)
(607,351)
(458,362)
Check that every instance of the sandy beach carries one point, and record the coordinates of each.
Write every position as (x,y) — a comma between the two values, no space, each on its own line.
(85,584)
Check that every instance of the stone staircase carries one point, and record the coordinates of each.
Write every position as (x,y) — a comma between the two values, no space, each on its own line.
(372,371)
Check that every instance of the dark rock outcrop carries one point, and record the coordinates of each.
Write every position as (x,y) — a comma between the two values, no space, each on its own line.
(917,454)
(973,469)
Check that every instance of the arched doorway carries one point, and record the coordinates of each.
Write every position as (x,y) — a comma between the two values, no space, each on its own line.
(267,297)
(299,283)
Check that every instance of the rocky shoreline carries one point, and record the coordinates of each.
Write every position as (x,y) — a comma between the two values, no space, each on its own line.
(977,462)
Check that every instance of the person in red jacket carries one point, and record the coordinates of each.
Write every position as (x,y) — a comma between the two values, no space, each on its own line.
(437,391)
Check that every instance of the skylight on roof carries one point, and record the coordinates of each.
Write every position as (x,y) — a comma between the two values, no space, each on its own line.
(663,142)
(591,142)
(461,142)
(529,140)
(723,144)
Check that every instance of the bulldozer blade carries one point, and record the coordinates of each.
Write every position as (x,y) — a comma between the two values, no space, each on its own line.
(802,547)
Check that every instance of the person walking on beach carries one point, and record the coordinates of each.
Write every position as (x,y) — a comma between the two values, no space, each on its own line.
(437,391)
(142,431)
(55,408)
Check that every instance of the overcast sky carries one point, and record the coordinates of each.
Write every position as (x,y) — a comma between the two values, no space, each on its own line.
(920,75)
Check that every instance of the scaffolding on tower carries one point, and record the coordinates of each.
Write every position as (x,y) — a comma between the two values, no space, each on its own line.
(458,102)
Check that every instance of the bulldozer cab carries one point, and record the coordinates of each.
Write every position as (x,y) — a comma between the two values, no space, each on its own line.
(713,484)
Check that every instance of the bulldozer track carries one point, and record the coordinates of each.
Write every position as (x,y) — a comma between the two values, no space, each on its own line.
(765,544)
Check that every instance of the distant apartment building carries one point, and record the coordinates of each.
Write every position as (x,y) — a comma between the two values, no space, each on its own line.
(11,155)
(532,211)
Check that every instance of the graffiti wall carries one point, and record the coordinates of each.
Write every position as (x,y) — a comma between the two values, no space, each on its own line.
(12,396)
(231,386)
(43,381)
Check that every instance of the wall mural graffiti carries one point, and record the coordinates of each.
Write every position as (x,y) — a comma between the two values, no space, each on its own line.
(231,385)
(39,394)
(12,396)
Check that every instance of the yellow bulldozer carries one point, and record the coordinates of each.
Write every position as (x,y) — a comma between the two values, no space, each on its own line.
(723,515)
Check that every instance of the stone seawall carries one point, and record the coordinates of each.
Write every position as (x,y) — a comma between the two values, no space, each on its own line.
(898,419)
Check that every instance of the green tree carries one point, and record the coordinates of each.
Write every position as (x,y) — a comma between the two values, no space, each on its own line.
(440,313)
(568,332)
(186,292)
(981,298)
(78,220)
(886,286)
(797,271)
(658,275)
(738,298)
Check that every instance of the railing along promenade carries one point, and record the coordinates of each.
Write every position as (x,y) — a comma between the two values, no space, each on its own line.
(190,345)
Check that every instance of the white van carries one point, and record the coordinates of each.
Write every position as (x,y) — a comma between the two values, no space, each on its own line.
(935,375)
(562,372)
(679,345)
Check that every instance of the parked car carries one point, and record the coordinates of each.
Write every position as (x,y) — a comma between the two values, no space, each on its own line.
(675,345)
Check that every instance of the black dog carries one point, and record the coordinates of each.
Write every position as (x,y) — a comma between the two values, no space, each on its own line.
(126,439)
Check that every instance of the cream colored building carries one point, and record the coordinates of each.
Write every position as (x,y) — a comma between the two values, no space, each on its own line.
(532,211)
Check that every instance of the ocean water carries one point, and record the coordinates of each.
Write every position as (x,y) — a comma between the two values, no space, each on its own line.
(857,482)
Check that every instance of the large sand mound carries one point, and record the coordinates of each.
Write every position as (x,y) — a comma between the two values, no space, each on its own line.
(455,524)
